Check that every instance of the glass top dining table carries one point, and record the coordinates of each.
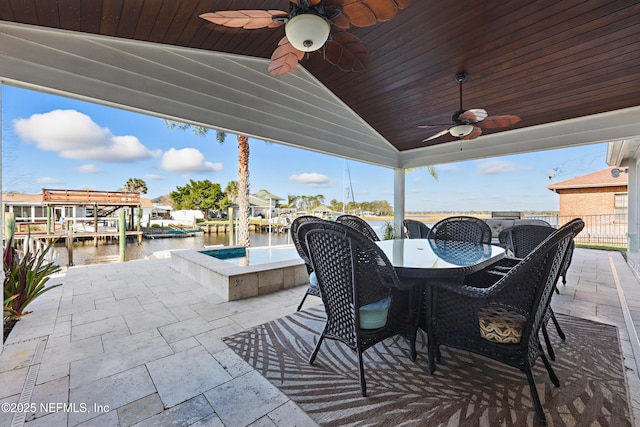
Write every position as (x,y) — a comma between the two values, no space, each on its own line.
(433,258)
(422,260)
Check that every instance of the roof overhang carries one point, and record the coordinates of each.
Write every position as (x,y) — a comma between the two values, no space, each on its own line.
(619,152)
(223,91)
(235,93)
(598,128)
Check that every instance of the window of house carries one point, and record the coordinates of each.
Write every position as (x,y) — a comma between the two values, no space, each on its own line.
(22,211)
(39,212)
(620,205)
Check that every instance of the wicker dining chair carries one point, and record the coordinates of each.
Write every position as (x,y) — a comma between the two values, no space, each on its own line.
(501,320)
(359,224)
(301,248)
(520,241)
(359,288)
(462,229)
(416,229)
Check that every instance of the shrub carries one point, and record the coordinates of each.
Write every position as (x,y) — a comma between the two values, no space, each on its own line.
(24,279)
(389,231)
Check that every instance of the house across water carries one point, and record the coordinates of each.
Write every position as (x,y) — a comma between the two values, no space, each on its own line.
(87,210)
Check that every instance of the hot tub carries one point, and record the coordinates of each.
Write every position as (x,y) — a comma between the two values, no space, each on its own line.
(233,275)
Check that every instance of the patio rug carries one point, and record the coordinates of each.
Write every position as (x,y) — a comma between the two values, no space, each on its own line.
(465,390)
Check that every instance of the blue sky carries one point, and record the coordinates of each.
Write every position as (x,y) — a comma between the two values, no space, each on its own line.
(55,142)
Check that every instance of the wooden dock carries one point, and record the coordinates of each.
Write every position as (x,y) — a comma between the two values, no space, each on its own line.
(256,225)
(62,235)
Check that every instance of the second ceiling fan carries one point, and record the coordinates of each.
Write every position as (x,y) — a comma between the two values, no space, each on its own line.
(468,124)
(311,25)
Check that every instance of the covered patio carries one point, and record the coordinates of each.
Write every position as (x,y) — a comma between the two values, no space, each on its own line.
(569,71)
(127,337)
(139,344)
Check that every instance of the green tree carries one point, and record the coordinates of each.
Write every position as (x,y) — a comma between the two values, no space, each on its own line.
(135,184)
(201,195)
(377,207)
(310,202)
(335,205)
(243,174)
(231,191)
(292,202)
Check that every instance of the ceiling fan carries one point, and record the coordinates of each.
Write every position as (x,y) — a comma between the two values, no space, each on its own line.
(467,124)
(310,25)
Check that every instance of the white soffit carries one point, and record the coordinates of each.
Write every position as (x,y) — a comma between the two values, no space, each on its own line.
(229,92)
(599,128)
(619,152)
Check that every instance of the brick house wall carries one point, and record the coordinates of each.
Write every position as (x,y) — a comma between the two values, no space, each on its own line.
(575,202)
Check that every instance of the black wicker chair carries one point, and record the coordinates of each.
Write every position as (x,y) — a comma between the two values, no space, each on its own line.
(360,290)
(502,319)
(301,247)
(520,241)
(416,229)
(359,224)
(462,229)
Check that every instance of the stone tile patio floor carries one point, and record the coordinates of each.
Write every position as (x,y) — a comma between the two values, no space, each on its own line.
(139,344)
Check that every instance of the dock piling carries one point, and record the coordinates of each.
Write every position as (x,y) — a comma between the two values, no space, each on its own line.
(122,228)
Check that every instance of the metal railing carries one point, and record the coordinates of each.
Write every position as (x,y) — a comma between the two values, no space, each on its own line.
(604,230)
(53,196)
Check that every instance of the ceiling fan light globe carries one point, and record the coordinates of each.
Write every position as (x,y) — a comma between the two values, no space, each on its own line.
(461,130)
(307,32)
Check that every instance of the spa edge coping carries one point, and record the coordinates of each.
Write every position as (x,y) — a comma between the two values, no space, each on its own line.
(234,282)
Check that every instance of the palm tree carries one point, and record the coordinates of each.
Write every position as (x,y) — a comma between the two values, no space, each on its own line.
(243,190)
(243,175)
(431,169)
(135,184)
(292,201)
(231,190)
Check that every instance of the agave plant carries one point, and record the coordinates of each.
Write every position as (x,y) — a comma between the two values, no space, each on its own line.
(7,310)
(24,279)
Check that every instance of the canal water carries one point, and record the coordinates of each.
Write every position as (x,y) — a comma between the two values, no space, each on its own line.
(107,251)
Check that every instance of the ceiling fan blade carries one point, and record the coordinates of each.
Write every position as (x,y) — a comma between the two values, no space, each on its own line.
(473,115)
(341,20)
(247,19)
(499,121)
(346,51)
(364,13)
(476,132)
(402,4)
(437,135)
(284,58)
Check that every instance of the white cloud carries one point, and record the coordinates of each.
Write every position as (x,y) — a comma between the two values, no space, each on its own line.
(75,135)
(153,176)
(310,178)
(493,167)
(47,180)
(187,160)
(88,169)
(449,167)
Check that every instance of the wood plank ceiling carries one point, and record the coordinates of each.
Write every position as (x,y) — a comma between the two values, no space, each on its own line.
(543,60)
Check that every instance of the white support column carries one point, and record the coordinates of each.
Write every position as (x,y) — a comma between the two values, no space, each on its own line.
(633,210)
(398,200)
